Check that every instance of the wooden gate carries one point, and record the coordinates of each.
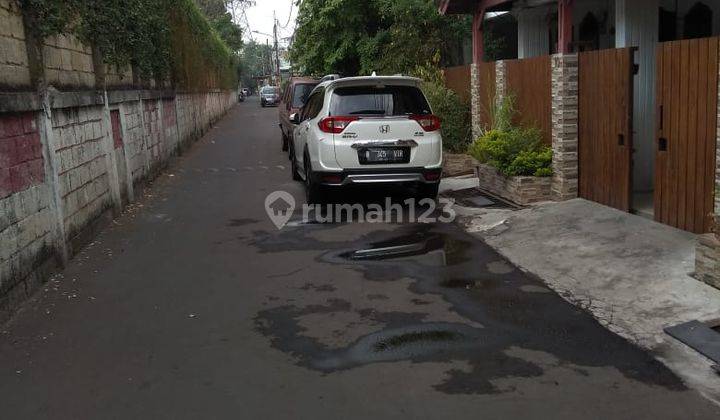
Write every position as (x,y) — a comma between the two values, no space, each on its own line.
(530,81)
(687,92)
(605,135)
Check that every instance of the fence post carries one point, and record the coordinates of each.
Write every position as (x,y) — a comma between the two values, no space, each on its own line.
(126,153)
(110,159)
(565,126)
(51,163)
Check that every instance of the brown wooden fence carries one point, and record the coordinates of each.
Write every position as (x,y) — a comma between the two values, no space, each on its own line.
(529,80)
(605,95)
(687,94)
(486,73)
(457,79)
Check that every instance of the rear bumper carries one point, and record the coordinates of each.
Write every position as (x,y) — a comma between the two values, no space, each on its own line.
(378,176)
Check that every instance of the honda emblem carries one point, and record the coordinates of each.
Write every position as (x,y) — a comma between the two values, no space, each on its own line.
(384,129)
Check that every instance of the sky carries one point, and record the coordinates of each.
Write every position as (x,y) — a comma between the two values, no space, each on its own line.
(260,18)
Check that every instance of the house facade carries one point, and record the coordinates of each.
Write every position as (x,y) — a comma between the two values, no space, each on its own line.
(625,90)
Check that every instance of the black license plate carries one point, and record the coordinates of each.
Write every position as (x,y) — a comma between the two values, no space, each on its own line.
(379,155)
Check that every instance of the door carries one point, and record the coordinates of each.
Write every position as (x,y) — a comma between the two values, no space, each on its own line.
(686,123)
(605,133)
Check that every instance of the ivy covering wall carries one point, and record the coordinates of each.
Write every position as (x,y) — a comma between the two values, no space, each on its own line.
(160,39)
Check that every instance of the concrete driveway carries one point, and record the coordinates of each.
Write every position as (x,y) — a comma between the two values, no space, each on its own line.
(193,305)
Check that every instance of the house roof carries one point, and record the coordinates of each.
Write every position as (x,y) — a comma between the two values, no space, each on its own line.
(460,7)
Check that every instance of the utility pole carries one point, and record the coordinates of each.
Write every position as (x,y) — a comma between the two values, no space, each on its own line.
(277,52)
(270,60)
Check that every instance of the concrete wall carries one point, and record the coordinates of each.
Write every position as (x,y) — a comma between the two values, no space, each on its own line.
(77,138)
(14,68)
(62,176)
(68,63)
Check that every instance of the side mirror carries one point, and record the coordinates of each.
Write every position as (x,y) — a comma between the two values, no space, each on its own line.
(295,118)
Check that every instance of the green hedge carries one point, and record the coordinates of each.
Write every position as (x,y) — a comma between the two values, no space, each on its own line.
(515,152)
(161,39)
(454,113)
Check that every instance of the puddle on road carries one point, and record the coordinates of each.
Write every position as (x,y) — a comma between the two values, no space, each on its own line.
(513,308)
(416,337)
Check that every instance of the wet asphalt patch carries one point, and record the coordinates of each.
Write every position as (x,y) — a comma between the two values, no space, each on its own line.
(504,308)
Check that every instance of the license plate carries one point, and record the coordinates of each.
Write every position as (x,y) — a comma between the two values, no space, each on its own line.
(384,155)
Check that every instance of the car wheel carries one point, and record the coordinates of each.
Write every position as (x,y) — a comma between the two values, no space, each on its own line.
(294,167)
(428,191)
(313,191)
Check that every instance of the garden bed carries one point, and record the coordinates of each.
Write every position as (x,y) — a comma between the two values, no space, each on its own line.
(707,259)
(456,164)
(517,189)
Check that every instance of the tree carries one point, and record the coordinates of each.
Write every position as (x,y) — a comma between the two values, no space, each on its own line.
(218,13)
(255,61)
(389,36)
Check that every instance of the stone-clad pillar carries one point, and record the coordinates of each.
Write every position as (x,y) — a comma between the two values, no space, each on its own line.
(475,102)
(565,126)
(500,82)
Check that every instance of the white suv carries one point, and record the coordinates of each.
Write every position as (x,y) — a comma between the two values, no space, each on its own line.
(366,130)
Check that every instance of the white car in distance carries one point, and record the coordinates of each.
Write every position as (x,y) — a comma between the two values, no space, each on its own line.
(367,130)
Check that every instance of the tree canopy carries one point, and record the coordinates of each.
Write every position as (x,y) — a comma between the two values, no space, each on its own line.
(218,13)
(357,37)
(255,61)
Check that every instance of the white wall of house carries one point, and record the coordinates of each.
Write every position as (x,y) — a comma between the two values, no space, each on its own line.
(636,23)
(533,36)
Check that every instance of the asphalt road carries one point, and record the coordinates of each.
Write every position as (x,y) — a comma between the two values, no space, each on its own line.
(193,305)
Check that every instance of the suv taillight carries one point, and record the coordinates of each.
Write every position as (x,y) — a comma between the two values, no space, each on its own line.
(427,122)
(335,125)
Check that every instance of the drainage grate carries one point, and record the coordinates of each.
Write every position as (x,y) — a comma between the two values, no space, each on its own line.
(475,197)
(699,336)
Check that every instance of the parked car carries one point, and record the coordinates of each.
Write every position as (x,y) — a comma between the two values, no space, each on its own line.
(269,96)
(291,101)
(366,130)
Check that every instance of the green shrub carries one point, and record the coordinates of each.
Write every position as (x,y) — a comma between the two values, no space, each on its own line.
(515,152)
(531,163)
(454,115)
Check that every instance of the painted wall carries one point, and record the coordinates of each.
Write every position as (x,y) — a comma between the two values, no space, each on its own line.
(533,36)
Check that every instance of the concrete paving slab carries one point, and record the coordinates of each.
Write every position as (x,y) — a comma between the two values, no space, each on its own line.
(632,274)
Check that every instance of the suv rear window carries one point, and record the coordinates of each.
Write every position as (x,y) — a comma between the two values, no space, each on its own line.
(301,93)
(379,101)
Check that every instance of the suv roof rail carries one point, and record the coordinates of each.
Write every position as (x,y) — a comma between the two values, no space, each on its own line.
(330,77)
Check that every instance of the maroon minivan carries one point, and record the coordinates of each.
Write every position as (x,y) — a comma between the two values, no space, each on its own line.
(292,99)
